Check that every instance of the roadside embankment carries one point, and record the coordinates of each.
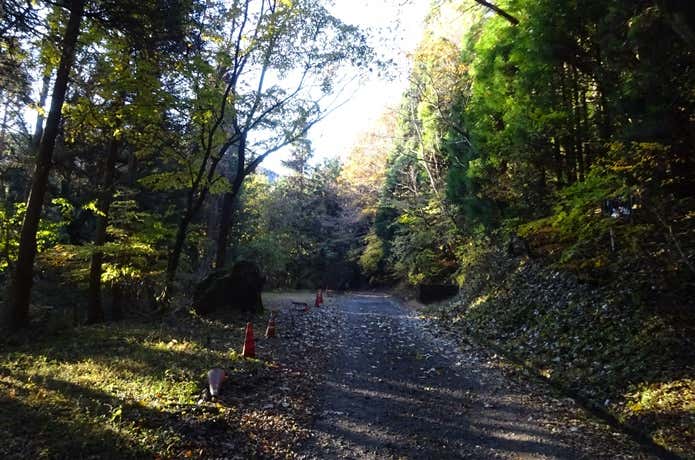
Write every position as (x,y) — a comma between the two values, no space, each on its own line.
(597,342)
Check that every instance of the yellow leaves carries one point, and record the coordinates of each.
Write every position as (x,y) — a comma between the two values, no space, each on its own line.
(92,206)
(39,110)
(286,3)
(407,219)
(635,407)
(670,396)
(216,39)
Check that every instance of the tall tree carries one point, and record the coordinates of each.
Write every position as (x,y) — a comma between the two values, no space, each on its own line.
(271,72)
(23,274)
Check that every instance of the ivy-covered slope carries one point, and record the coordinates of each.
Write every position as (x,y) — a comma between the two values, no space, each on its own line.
(598,342)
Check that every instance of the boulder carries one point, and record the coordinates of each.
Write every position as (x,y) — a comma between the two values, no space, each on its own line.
(428,293)
(517,246)
(238,289)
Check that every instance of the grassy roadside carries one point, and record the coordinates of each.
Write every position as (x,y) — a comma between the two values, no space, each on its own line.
(599,343)
(136,390)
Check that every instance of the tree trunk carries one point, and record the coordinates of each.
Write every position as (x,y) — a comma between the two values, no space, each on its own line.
(600,78)
(228,205)
(557,160)
(568,138)
(3,125)
(499,11)
(193,205)
(212,225)
(588,132)
(38,129)
(95,311)
(177,249)
(577,130)
(132,168)
(223,232)
(117,302)
(20,294)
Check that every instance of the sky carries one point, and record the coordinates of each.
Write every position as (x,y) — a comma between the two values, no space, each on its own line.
(402,24)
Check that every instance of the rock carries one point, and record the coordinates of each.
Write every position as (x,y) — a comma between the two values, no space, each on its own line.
(427,293)
(517,246)
(237,289)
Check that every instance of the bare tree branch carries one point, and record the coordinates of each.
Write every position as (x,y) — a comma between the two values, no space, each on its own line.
(499,11)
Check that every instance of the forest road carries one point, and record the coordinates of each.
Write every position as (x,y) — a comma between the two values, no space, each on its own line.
(396,388)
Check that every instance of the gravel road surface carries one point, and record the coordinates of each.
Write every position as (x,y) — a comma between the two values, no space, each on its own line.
(397,388)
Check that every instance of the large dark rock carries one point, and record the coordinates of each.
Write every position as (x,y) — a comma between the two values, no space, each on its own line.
(517,246)
(236,289)
(428,293)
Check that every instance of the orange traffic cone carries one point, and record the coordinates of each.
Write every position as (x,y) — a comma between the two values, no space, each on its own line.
(317,303)
(321,296)
(216,377)
(270,330)
(249,350)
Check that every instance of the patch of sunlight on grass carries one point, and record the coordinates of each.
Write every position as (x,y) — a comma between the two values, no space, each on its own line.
(105,391)
(674,401)
(677,395)
(175,345)
(479,301)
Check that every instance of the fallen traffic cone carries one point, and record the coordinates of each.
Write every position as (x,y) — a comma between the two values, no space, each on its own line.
(304,306)
(270,330)
(249,350)
(216,377)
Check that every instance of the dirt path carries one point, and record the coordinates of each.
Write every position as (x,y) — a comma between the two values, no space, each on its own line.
(396,389)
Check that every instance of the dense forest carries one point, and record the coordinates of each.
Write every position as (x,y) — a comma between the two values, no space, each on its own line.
(541,159)
(129,184)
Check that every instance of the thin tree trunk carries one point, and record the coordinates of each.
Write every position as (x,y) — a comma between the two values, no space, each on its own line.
(177,249)
(223,233)
(38,129)
(132,168)
(95,311)
(193,205)
(228,204)
(588,132)
(568,141)
(499,11)
(3,125)
(20,294)
(557,159)
(117,302)
(600,79)
(6,246)
(577,124)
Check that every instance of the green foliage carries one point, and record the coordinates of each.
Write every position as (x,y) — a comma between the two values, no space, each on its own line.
(296,229)
(10,222)
(372,257)
(578,217)
(51,228)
